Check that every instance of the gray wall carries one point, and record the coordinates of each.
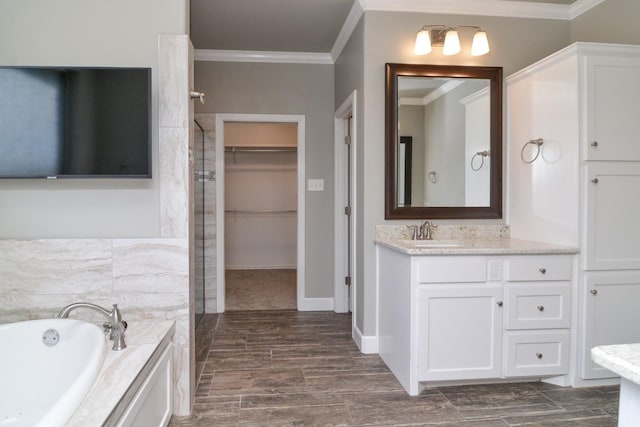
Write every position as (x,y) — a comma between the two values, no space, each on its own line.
(259,88)
(86,33)
(614,21)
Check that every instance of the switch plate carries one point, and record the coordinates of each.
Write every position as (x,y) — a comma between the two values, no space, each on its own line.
(315,185)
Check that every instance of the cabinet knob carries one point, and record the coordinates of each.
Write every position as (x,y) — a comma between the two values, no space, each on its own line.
(595,180)
(594,144)
(542,270)
(594,291)
(540,308)
(539,355)
(500,303)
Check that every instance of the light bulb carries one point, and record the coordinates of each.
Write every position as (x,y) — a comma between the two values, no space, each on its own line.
(423,42)
(451,43)
(480,44)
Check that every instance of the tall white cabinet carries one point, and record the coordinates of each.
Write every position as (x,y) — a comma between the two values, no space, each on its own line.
(583,189)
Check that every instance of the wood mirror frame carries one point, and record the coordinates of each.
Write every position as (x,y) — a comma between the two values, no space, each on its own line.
(392,210)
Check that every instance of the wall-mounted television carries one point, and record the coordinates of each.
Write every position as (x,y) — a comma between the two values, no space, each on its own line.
(75,122)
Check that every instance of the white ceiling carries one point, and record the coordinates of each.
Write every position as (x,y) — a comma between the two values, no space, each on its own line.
(286,25)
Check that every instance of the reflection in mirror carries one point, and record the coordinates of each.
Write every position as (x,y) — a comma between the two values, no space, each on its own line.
(448,122)
(451,118)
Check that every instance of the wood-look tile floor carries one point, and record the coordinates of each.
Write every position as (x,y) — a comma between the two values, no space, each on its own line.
(289,368)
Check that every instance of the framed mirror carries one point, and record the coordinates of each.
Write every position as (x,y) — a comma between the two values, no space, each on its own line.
(443,142)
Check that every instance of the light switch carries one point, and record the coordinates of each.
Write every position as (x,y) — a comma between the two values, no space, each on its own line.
(315,185)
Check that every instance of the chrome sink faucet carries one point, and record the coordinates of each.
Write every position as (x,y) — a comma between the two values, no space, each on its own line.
(115,327)
(426,231)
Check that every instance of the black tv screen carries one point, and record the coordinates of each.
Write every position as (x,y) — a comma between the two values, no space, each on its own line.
(75,122)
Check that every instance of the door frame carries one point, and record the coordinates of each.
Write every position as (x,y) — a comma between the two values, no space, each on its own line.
(341,297)
(220,168)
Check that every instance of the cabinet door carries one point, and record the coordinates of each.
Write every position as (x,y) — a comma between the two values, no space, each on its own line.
(612,315)
(613,211)
(613,108)
(459,332)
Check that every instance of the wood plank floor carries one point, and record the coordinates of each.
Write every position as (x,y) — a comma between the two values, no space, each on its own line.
(289,368)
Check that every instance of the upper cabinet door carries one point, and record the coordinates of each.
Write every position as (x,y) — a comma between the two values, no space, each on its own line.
(613,108)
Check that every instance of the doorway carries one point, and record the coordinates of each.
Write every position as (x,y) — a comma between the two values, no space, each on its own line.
(260,211)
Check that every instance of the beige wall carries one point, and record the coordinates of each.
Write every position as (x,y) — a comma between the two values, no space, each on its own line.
(261,88)
(86,33)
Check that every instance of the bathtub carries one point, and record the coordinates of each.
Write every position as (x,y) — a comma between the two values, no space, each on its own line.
(47,367)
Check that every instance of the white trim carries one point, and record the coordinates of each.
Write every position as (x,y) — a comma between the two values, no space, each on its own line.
(340,295)
(366,344)
(262,56)
(316,304)
(220,264)
(349,25)
(502,8)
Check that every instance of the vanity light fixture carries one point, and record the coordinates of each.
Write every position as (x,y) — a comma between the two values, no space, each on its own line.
(447,37)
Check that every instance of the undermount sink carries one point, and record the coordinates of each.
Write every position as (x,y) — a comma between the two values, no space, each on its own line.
(433,244)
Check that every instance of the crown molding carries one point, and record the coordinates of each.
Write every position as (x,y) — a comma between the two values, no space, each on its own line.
(213,55)
(501,8)
(347,29)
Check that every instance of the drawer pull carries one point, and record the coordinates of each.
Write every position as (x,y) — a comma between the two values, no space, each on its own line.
(540,308)
(543,270)
(539,355)
(594,291)
(594,144)
(500,303)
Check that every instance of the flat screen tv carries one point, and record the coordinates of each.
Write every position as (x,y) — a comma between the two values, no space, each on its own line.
(65,122)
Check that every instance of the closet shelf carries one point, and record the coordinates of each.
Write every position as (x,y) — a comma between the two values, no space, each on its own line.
(241,211)
(259,149)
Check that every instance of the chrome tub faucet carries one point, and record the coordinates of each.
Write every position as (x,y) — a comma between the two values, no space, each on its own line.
(116,326)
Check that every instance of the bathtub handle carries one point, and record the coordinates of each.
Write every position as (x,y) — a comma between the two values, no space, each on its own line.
(106,326)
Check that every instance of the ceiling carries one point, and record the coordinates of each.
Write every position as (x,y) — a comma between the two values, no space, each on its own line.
(276,25)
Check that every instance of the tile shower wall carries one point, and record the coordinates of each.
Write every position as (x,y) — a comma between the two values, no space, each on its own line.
(149,278)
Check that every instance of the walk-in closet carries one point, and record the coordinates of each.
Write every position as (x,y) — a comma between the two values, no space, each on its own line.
(260,221)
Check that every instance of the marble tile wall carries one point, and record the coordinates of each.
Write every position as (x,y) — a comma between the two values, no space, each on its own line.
(177,204)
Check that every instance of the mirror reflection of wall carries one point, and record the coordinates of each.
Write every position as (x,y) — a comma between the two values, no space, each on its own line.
(448,119)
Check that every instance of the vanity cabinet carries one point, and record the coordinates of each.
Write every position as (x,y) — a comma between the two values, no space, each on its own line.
(583,189)
(472,317)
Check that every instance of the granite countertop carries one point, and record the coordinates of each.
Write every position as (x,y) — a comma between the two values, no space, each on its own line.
(621,359)
(474,247)
(120,371)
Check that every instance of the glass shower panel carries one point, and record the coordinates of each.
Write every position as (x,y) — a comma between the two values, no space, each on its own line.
(199,221)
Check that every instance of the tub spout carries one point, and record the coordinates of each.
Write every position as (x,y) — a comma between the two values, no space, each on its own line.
(115,327)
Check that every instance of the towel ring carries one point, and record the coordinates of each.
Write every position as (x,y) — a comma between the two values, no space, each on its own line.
(482,155)
(538,143)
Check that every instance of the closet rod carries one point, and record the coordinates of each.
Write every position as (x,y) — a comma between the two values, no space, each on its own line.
(234,211)
(260,149)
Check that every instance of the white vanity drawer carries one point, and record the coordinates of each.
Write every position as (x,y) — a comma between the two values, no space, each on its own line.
(452,269)
(538,306)
(536,353)
(539,267)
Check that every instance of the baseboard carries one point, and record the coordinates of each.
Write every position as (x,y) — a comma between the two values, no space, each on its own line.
(366,344)
(316,304)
